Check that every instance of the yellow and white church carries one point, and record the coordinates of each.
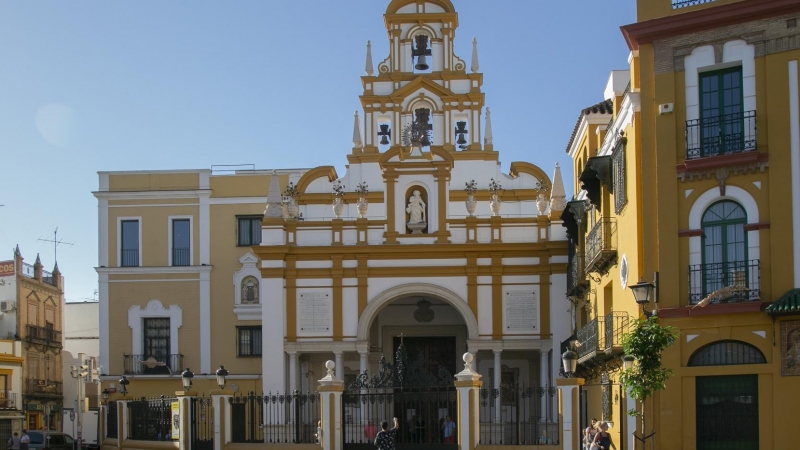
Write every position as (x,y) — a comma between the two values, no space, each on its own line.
(273,272)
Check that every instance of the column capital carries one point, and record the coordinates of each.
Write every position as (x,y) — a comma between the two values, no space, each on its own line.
(565,382)
(185,394)
(497,351)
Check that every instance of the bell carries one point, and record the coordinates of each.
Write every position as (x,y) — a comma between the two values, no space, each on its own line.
(384,140)
(384,133)
(461,140)
(422,64)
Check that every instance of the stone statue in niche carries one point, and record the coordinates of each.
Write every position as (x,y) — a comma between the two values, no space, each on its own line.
(416,213)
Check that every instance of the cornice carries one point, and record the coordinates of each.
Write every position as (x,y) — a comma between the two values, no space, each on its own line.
(704,19)
(149,270)
(151,195)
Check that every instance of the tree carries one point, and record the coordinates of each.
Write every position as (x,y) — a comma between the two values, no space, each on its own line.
(644,344)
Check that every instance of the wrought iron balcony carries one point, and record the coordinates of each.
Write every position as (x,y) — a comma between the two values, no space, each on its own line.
(44,336)
(181,257)
(152,364)
(721,135)
(8,400)
(590,338)
(600,344)
(616,325)
(677,4)
(576,276)
(129,257)
(601,246)
(727,282)
(44,388)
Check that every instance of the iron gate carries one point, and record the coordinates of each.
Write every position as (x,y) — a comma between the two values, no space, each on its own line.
(420,401)
(201,422)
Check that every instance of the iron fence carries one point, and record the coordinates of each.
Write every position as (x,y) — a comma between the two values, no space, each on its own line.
(742,277)
(721,135)
(518,415)
(150,419)
(421,412)
(111,420)
(275,418)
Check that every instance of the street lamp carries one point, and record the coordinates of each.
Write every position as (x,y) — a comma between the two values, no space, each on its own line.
(221,374)
(105,395)
(627,362)
(186,378)
(643,292)
(570,361)
(123,385)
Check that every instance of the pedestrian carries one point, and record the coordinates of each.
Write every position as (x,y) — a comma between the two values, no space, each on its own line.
(603,439)
(13,441)
(588,435)
(449,430)
(370,431)
(385,438)
(24,440)
(319,431)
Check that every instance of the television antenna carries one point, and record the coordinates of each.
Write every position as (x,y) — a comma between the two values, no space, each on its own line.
(56,242)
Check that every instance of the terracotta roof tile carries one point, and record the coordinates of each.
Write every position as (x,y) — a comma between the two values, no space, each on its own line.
(604,107)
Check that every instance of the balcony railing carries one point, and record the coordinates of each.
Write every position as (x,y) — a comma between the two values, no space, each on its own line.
(181,257)
(590,338)
(28,270)
(721,135)
(8,400)
(676,4)
(601,245)
(152,365)
(615,326)
(743,278)
(47,277)
(44,335)
(43,387)
(129,257)
(576,275)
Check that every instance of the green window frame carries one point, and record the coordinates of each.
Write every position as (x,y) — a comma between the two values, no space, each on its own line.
(722,129)
(724,243)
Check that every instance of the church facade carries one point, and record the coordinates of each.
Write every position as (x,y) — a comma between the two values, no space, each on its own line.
(273,272)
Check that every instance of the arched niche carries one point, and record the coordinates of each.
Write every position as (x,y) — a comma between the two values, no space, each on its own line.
(423,193)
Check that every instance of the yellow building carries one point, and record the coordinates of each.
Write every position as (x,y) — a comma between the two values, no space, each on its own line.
(31,322)
(712,172)
(195,272)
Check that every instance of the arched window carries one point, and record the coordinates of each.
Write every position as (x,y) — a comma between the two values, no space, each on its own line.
(724,246)
(250,291)
(726,353)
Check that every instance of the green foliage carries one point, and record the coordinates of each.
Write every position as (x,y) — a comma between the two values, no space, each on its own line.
(646,343)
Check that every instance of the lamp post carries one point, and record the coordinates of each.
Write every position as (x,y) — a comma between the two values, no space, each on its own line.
(123,385)
(105,395)
(186,379)
(643,292)
(627,362)
(569,359)
(221,374)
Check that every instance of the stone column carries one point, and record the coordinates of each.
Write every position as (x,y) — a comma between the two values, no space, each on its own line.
(339,365)
(184,402)
(468,384)
(222,416)
(292,372)
(498,370)
(543,382)
(569,390)
(330,395)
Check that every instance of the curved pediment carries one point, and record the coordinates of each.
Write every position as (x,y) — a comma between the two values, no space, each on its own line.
(413,7)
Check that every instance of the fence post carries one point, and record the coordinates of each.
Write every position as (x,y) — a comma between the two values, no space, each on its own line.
(222,413)
(468,384)
(569,388)
(330,402)
(122,422)
(185,411)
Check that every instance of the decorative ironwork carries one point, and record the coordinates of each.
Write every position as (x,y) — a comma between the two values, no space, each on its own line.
(402,374)
(150,419)
(201,421)
(599,345)
(725,353)
(705,279)
(111,420)
(616,326)
(152,364)
(520,419)
(606,387)
(727,412)
(725,134)
(418,133)
(44,388)
(676,4)
(577,285)
(589,339)
(601,246)
(618,160)
(275,418)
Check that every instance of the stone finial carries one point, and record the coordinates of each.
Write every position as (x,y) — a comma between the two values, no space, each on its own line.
(369,67)
(475,66)
(558,197)
(487,134)
(468,374)
(55,269)
(17,253)
(274,207)
(330,366)
(38,261)
(356,132)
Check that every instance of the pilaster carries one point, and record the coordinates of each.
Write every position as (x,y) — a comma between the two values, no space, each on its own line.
(185,410)
(468,385)
(222,416)
(330,395)
(569,395)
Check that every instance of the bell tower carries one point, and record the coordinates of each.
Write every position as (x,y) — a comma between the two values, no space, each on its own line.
(422,95)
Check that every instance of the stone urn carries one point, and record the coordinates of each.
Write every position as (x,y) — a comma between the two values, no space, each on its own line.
(290,208)
(362,206)
(494,204)
(338,207)
(471,204)
(541,204)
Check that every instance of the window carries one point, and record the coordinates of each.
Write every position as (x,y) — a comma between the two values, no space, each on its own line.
(156,345)
(721,118)
(250,291)
(725,353)
(249,231)
(181,242)
(724,246)
(249,341)
(727,412)
(129,253)
(618,158)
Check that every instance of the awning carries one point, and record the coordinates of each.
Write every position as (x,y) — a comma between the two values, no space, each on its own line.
(597,173)
(574,211)
(788,304)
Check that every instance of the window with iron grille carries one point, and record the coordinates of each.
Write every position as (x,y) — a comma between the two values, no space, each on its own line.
(156,332)
(249,341)
(618,160)
(249,231)
(725,353)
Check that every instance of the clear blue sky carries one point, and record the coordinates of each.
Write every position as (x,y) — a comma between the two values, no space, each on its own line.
(96,85)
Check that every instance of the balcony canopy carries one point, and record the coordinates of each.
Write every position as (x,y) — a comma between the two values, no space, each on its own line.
(571,217)
(597,173)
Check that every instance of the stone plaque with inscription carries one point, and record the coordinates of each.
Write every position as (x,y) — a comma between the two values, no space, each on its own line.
(522,310)
(314,312)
